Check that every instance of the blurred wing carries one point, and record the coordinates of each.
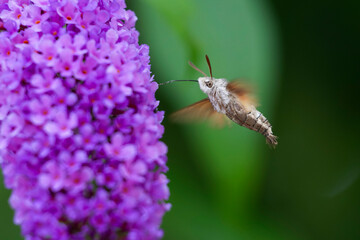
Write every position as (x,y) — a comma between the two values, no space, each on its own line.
(243,92)
(200,111)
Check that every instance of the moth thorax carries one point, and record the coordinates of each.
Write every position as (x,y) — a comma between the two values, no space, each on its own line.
(219,96)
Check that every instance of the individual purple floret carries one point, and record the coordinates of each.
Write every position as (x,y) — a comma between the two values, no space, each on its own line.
(79,130)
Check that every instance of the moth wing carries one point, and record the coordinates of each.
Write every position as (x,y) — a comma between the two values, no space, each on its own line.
(200,111)
(243,92)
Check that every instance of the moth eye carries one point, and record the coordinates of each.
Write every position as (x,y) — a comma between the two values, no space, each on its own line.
(209,84)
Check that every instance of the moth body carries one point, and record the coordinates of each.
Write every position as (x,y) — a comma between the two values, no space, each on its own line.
(227,99)
(228,103)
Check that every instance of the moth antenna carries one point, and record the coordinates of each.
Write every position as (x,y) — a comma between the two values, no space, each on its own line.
(208,62)
(167,82)
(197,69)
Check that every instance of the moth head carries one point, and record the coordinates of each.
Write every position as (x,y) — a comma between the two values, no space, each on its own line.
(207,84)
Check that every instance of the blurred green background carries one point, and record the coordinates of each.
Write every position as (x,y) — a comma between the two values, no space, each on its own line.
(304,59)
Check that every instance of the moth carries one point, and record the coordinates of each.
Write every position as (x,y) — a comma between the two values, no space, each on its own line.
(226,100)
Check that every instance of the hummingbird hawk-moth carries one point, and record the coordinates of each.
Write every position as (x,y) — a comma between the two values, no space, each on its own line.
(225,99)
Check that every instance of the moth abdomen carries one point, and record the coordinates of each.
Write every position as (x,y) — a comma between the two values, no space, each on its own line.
(271,139)
(253,120)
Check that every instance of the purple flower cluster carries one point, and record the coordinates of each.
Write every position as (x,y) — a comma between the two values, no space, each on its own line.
(79,130)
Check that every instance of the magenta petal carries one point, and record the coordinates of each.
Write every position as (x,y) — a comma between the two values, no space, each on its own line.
(3,112)
(128,152)
(44,181)
(51,128)
(117,139)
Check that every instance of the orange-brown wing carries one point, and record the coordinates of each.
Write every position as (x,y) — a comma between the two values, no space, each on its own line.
(200,111)
(243,92)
